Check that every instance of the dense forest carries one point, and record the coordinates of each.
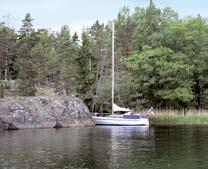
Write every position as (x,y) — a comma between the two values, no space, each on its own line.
(161,60)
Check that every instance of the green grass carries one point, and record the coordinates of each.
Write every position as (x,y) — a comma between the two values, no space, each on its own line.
(178,119)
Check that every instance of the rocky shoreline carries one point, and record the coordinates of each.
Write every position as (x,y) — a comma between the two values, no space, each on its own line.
(43,112)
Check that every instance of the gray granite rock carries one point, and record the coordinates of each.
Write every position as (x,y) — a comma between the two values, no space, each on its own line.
(43,112)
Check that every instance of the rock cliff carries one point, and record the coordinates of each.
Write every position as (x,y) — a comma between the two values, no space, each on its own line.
(43,112)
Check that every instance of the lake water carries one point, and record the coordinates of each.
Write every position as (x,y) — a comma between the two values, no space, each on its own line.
(161,147)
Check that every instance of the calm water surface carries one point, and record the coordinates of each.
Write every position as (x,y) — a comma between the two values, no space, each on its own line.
(161,147)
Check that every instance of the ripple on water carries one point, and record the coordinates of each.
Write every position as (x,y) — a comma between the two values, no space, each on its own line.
(160,147)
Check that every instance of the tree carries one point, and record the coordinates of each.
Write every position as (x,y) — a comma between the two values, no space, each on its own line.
(160,60)
(85,77)
(124,29)
(41,54)
(97,44)
(27,28)
(26,72)
(148,25)
(67,56)
(162,79)
(7,53)
(191,38)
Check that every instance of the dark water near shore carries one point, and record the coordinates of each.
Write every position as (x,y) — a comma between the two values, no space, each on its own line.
(161,147)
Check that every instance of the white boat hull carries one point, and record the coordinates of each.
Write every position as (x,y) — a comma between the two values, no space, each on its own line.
(120,121)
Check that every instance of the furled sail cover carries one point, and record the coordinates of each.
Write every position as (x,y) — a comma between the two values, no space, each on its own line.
(117,108)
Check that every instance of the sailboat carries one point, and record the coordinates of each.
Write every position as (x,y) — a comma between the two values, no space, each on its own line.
(128,118)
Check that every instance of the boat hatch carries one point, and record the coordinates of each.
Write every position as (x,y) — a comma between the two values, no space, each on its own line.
(131,116)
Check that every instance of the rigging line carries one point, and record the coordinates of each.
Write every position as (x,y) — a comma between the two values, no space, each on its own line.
(101,73)
(117,76)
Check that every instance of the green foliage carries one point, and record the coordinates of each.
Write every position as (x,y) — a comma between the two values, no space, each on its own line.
(149,27)
(160,60)
(125,26)
(162,77)
(85,77)
(66,54)
(26,71)
(103,100)
(7,53)
(27,28)
(1,90)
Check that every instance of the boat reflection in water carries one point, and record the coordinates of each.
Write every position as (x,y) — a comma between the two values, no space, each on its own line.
(106,147)
(129,142)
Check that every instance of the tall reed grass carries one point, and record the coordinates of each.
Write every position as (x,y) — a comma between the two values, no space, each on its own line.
(166,116)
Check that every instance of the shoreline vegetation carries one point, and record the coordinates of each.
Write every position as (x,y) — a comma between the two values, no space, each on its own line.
(180,117)
(160,61)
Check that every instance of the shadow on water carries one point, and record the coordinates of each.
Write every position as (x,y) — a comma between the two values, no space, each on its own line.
(155,147)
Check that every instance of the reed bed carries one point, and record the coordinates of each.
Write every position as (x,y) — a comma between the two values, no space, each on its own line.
(166,116)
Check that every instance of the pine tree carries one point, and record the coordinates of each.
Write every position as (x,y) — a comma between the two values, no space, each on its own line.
(66,56)
(27,28)
(26,74)
(86,77)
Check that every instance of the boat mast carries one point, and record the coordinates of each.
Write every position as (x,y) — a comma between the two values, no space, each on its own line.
(112,66)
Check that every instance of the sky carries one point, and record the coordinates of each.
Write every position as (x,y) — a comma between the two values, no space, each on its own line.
(79,14)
